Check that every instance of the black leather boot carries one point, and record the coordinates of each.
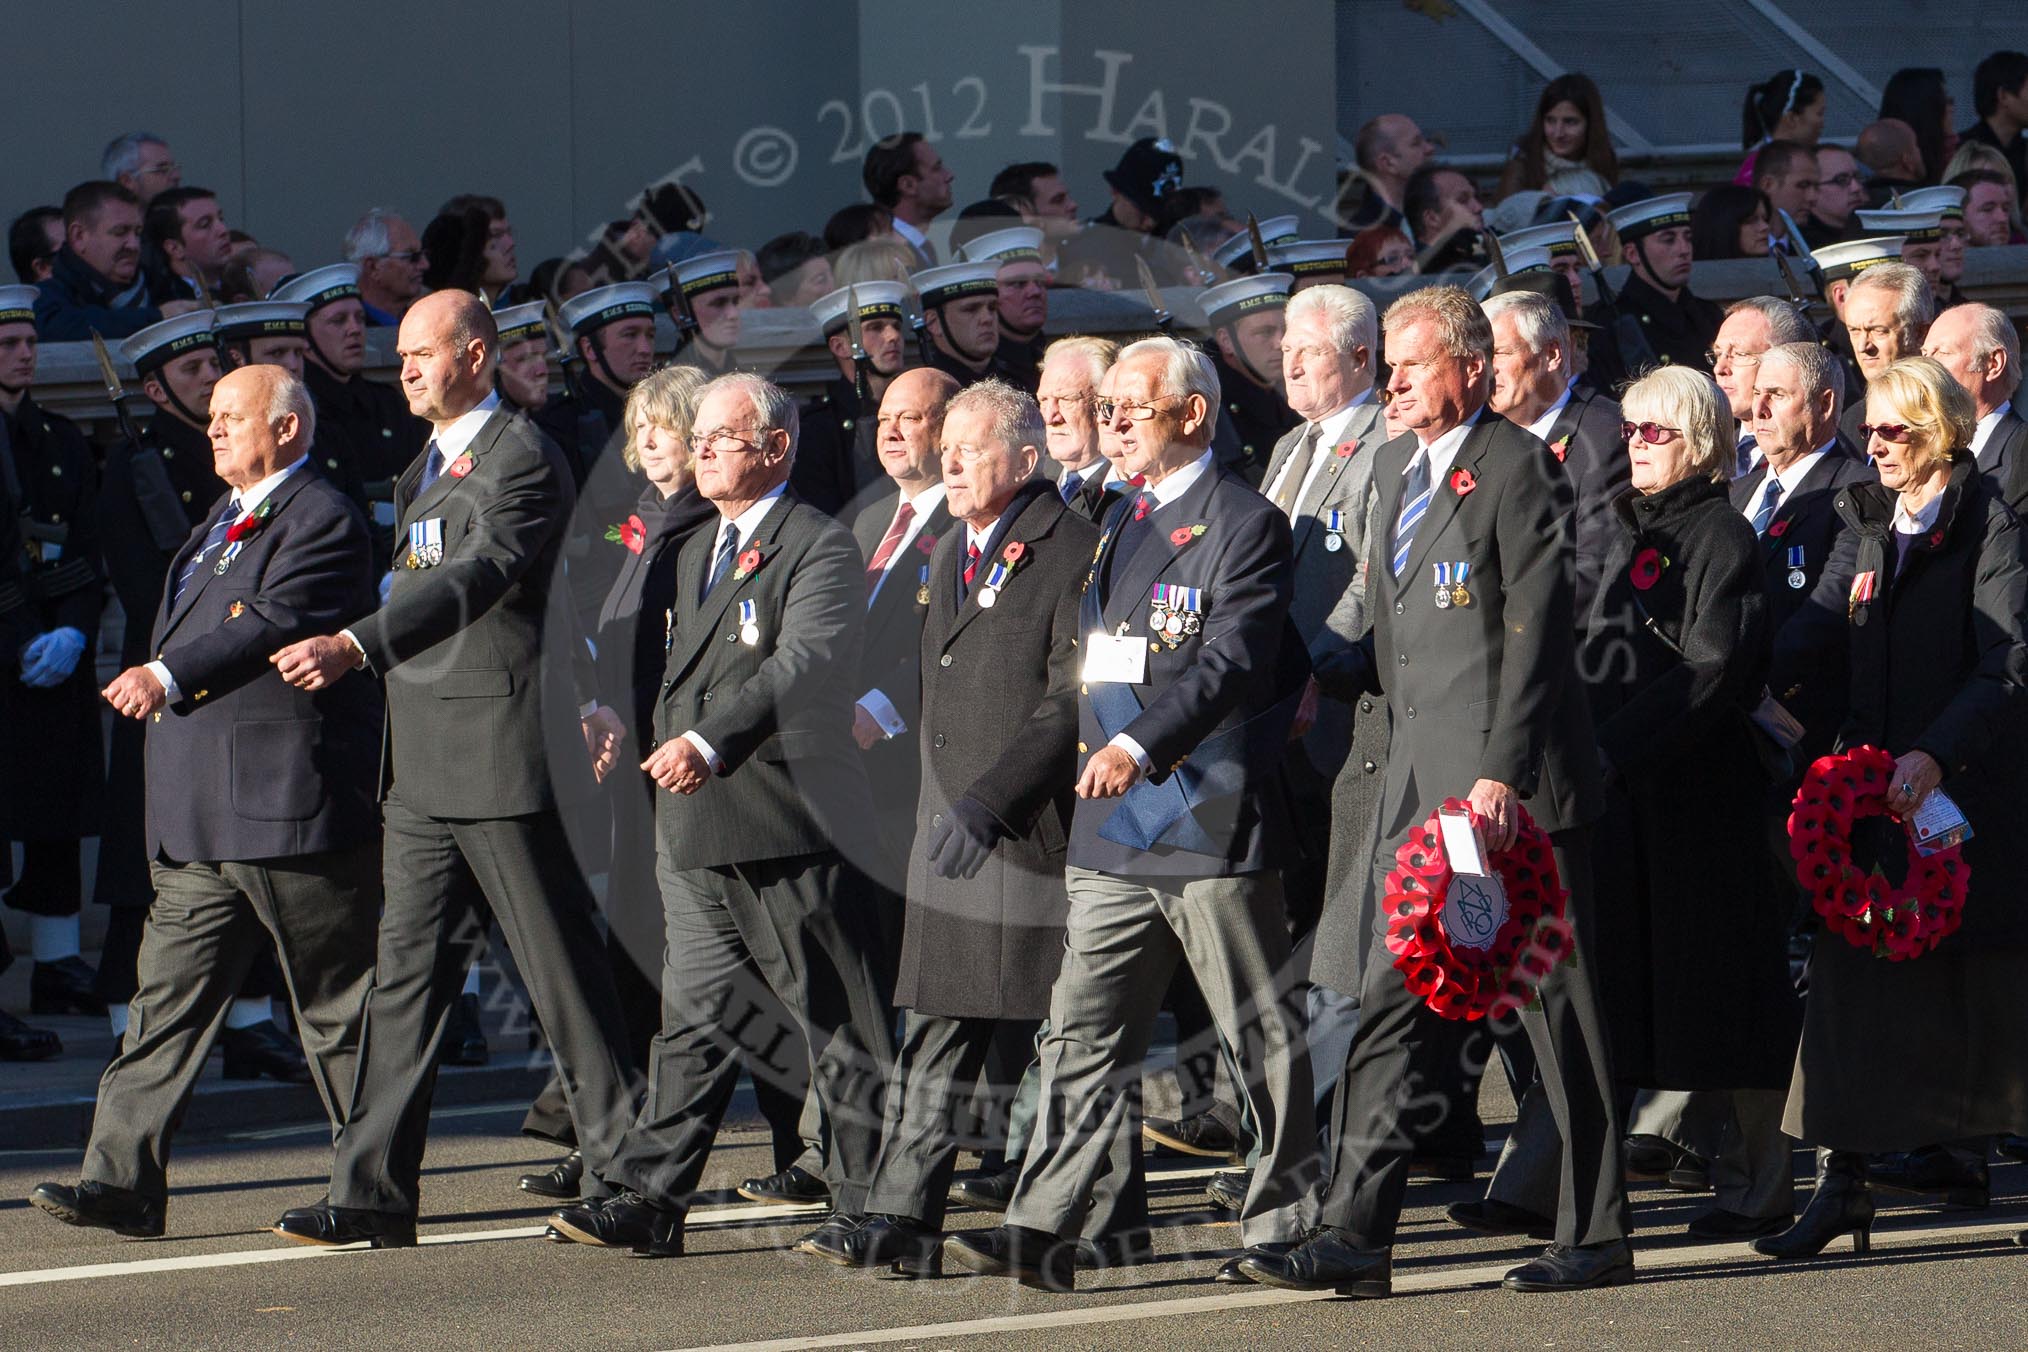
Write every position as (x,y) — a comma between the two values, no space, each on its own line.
(1841,1205)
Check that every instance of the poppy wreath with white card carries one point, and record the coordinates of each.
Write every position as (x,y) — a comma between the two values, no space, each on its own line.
(1470,945)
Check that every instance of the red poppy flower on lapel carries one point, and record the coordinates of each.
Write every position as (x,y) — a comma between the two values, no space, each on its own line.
(1345,448)
(1183,535)
(463,466)
(746,564)
(1462,482)
(1561,447)
(1647,569)
(632,533)
(1012,554)
(1777,530)
(925,544)
(251,524)
(1936,539)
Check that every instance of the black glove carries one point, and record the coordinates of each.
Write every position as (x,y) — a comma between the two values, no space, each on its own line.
(962,839)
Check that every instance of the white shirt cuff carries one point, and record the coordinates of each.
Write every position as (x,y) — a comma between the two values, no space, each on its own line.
(882,710)
(1133,748)
(170,693)
(704,750)
(589,708)
(365,662)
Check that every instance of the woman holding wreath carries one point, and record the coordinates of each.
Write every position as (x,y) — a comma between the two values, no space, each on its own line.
(1923,606)
(1697,991)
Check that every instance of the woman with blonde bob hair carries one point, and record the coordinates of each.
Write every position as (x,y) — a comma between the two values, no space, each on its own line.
(1694,980)
(1920,612)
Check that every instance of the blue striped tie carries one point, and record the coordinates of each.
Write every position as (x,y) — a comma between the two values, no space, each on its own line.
(1415,496)
(728,546)
(1764,517)
(213,538)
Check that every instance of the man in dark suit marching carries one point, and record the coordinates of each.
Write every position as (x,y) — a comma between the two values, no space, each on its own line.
(469,792)
(260,817)
(998,720)
(1470,488)
(1191,677)
(753,744)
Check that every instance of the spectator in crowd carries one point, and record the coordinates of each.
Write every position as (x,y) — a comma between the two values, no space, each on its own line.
(1379,251)
(796,269)
(1886,313)
(2000,97)
(1841,191)
(95,283)
(904,175)
(1989,198)
(1566,150)
(1981,349)
(1922,612)
(1918,96)
(391,265)
(1050,204)
(32,242)
(1786,171)
(185,244)
(140,162)
(470,246)
(1389,149)
(676,216)
(1447,219)
(1143,184)
(1787,106)
(753,287)
(253,275)
(884,258)
(1892,155)
(1731,222)
(861,221)
(558,279)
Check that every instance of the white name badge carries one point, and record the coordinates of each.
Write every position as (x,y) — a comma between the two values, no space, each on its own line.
(1115,657)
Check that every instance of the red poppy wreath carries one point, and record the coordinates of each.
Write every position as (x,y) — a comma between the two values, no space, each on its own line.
(1869,912)
(1457,948)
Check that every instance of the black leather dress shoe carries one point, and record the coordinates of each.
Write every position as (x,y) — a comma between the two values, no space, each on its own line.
(1202,1135)
(1128,1248)
(1227,1191)
(1033,1258)
(65,986)
(793,1186)
(464,1041)
(1325,1261)
(901,1244)
(101,1206)
(626,1220)
(560,1181)
(1492,1217)
(1718,1223)
(987,1192)
(263,1049)
(1570,1267)
(1690,1175)
(24,1042)
(832,1240)
(1650,1157)
(1935,1170)
(326,1225)
(1231,1273)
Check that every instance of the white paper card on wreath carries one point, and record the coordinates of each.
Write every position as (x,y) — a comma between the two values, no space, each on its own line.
(1938,824)
(1474,910)
(1115,658)
(1461,842)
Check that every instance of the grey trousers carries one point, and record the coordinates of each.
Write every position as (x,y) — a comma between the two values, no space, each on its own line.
(206,927)
(1124,941)
(803,929)
(1738,1133)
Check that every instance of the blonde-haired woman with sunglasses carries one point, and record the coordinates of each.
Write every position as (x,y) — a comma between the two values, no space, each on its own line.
(1920,610)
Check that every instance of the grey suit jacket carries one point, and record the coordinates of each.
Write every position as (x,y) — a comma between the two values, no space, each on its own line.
(775,711)
(462,643)
(890,653)
(2004,461)
(1329,607)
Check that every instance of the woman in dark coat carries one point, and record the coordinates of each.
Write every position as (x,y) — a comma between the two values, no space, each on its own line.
(1692,971)
(1924,604)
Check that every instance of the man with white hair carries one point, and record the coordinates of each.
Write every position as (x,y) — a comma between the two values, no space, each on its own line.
(1072,369)
(1887,310)
(142,163)
(1191,674)
(247,852)
(391,262)
(1751,327)
(1979,346)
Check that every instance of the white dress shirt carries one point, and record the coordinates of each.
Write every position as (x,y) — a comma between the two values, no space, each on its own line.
(1540,427)
(1332,431)
(748,522)
(1921,521)
(1790,479)
(916,238)
(1443,452)
(1984,432)
(1164,493)
(243,505)
(875,701)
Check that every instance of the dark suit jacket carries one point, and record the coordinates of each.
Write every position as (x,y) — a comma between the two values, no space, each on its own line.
(462,643)
(1586,438)
(999,725)
(1808,520)
(1095,497)
(1239,675)
(2004,461)
(244,765)
(889,654)
(775,711)
(1487,690)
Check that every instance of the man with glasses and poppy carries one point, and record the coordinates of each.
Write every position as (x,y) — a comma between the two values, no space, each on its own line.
(1190,677)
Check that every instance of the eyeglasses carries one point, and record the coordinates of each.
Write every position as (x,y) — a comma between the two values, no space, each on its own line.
(1736,356)
(402,256)
(1895,433)
(725,441)
(1844,180)
(1109,409)
(1653,433)
(166,167)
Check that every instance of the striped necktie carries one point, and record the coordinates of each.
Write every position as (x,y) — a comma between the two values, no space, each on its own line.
(1415,496)
(1764,516)
(727,547)
(213,538)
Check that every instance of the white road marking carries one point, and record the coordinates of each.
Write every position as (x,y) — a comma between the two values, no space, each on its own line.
(1409,1283)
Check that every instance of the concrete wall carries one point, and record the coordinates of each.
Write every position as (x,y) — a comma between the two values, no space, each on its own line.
(302,114)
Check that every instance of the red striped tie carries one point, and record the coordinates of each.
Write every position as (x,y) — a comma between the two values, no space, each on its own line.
(888,544)
(971,564)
